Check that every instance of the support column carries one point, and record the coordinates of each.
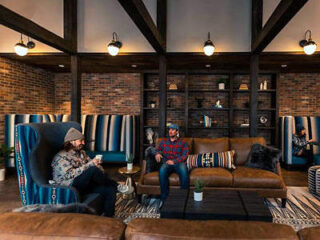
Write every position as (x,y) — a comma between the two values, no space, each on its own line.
(162,95)
(75,89)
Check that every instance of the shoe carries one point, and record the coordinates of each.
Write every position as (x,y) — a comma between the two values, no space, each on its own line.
(122,188)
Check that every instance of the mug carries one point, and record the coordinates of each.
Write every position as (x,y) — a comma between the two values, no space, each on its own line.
(99,156)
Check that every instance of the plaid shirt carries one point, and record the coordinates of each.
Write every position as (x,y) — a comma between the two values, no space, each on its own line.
(177,151)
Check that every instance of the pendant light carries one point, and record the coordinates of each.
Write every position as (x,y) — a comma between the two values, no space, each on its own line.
(208,46)
(115,45)
(20,48)
(309,46)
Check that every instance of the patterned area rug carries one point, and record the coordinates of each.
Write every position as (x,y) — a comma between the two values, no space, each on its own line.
(303,209)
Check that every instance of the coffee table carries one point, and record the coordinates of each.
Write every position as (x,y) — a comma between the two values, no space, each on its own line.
(217,204)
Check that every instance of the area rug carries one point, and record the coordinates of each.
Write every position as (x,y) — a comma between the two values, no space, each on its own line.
(302,210)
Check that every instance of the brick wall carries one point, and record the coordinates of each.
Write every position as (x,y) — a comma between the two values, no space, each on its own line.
(113,93)
(24,89)
(299,94)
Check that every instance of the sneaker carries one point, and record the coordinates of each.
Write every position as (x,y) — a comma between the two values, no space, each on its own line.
(122,188)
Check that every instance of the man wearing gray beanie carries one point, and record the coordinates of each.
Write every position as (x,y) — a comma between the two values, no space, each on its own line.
(72,167)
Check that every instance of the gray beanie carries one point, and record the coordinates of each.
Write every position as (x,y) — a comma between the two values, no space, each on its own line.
(73,134)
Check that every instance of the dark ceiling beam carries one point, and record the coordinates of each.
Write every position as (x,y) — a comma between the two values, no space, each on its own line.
(25,26)
(256,19)
(283,13)
(141,17)
(70,22)
(162,18)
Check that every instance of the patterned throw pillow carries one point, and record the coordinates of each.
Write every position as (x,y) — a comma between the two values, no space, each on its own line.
(218,159)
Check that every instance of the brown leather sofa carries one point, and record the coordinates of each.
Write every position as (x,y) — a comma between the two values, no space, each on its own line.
(33,226)
(266,183)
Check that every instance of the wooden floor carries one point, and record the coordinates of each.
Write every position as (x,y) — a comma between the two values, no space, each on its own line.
(10,197)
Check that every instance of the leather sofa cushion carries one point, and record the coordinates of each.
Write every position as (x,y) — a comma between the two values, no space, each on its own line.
(311,233)
(210,229)
(214,177)
(207,145)
(242,146)
(255,178)
(152,178)
(189,141)
(59,226)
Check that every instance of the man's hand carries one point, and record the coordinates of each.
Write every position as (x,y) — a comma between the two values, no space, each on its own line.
(96,161)
(158,157)
(311,141)
(170,162)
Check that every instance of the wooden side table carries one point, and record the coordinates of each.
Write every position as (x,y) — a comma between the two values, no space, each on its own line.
(130,174)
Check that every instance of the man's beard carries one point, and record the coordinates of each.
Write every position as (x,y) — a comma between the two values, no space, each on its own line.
(79,148)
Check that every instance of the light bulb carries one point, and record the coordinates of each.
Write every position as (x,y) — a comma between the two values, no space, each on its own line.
(208,50)
(310,48)
(21,49)
(113,50)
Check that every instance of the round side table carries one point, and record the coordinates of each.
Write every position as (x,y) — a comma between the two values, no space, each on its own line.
(130,174)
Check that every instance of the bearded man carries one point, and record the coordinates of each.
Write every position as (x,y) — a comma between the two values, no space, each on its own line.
(72,167)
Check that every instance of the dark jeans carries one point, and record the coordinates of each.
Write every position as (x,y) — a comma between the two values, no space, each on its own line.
(93,180)
(164,173)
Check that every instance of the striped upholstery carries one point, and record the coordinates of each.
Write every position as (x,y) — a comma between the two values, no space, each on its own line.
(288,126)
(30,191)
(11,120)
(115,134)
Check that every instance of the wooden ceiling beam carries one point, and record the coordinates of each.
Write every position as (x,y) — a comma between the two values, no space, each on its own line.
(70,17)
(283,13)
(25,26)
(141,17)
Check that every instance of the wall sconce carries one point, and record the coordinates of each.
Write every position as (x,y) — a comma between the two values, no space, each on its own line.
(115,45)
(208,46)
(20,48)
(309,46)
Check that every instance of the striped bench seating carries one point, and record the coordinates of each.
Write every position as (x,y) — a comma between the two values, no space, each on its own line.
(113,136)
(288,128)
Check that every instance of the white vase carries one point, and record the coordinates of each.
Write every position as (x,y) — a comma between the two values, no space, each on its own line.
(2,174)
(221,86)
(198,196)
(129,166)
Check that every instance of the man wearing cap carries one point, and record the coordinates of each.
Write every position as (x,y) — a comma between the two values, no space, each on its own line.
(72,167)
(299,144)
(173,153)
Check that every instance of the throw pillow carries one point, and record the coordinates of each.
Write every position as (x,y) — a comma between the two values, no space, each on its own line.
(151,163)
(264,157)
(218,159)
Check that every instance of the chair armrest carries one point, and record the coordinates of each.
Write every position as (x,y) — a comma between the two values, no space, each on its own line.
(280,174)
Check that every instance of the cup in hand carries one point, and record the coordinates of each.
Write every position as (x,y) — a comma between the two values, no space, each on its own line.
(99,157)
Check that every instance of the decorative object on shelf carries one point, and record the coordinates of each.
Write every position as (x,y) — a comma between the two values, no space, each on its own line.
(130,161)
(207,121)
(152,104)
(263,120)
(260,104)
(169,103)
(309,46)
(261,86)
(199,102)
(218,104)
(115,45)
(208,46)
(245,123)
(199,185)
(221,83)
(265,85)
(243,86)
(246,104)
(173,86)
